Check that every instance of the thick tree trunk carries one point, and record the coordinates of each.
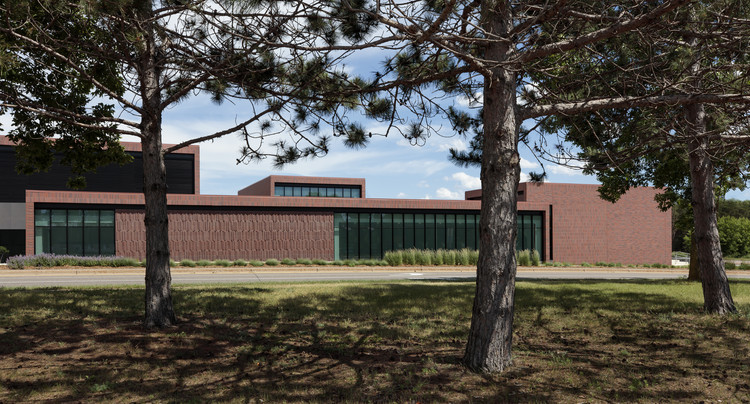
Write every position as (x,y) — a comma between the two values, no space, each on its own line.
(716,294)
(694,271)
(159,311)
(489,346)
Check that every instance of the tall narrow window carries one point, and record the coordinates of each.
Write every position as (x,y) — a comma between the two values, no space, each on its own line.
(460,231)
(387,232)
(41,231)
(91,232)
(419,241)
(440,231)
(408,230)
(75,232)
(398,231)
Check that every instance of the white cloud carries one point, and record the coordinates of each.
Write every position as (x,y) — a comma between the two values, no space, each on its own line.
(475,101)
(454,143)
(401,195)
(423,184)
(526,164)
(445,193)
(572,168)
(524,177)
(422,167)
(467,181)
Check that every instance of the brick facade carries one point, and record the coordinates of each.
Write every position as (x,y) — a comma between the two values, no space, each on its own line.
(581,227)
(232,235)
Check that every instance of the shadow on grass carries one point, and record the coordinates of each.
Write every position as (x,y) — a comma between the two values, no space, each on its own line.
(363,342)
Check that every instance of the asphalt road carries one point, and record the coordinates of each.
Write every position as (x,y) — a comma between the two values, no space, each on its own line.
(134,277)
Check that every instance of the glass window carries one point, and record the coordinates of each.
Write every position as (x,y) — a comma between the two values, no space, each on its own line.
(75,240)
(339,192)
(75,218)
(107,218)
(58,233)
(408,230)
(440,231)
(429,231)
(450,232)
(364,235)
(460,231)
(297,191)
(537,226)
(528,233)
(352,236)
(375,225)
(278,191)
(59,218)
(387,232)
(356,192)
(305,191)
(419,231)
(347,192)
(471,232)
(398,231)
(339,236)
(41,217)
(330,192)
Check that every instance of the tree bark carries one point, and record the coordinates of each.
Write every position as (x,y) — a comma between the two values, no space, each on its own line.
(716,294)
(694,270)
(159,310)
(489,345)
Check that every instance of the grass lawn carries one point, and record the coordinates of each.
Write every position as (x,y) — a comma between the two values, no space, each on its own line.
(574,341)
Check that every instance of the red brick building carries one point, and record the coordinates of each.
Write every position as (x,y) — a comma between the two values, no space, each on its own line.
(314,217)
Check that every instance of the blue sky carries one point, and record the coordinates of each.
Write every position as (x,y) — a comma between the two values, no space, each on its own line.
(391,166)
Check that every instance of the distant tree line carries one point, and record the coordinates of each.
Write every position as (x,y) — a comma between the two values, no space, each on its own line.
(733,222)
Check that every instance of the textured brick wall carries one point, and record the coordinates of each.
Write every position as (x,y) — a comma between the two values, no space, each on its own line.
(586,228)
(233,235)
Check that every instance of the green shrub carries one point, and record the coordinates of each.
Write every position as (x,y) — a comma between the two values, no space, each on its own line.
(223,263)
(187,263)
(600,264)
(203,263)
(474,257)
(524,258)
(463,257)
(272,262)
(319,262)
(173,263)
(142,263)
(744,266)
(437,258)
(535,258)
(126,262)
(257,263)
(304,261)
(4,251)
(288,261)
(423,257)
(369,263)
(239,263)
(409,256)
(449,257)
(338,263)
(350,263)
(393,258)
(585,264)
(381,263)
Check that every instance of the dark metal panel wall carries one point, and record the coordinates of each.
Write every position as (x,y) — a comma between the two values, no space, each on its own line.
(112,178)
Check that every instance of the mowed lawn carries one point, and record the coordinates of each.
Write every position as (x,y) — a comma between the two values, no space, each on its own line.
(574,341)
